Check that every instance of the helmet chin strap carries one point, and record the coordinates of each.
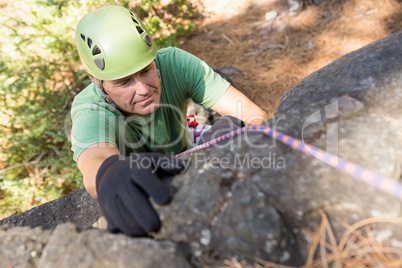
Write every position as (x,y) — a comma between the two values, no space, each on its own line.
(110,101)
(159,74)
(104,95)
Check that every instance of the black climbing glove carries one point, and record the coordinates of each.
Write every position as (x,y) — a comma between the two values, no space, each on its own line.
(223,126)
(124,185)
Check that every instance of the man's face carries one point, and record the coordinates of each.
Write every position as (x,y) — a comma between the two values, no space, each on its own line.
(138,93)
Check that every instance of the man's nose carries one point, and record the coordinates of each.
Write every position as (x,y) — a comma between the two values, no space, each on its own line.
(140,87)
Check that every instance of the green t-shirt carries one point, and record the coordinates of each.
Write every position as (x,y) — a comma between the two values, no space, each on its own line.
(183,76)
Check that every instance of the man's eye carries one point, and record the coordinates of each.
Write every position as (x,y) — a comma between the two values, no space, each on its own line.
(123,83)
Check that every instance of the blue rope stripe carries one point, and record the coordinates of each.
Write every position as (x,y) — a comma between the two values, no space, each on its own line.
(383,183)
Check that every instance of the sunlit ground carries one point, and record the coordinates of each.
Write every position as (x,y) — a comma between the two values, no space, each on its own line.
(273,56)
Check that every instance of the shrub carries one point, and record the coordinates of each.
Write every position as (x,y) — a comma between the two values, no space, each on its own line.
(41,73)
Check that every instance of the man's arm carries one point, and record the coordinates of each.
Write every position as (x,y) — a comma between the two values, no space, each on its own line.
(89,162)
(235,103)
(123,190)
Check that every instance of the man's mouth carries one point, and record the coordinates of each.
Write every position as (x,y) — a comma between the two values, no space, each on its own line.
(145,100)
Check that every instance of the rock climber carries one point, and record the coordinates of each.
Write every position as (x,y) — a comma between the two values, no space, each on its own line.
(130,121)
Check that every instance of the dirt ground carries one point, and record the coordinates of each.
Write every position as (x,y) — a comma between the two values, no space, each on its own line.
(274,44)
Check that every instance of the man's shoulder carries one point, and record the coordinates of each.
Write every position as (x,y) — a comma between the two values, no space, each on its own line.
(166,51)
(89,100)
(87,97)
(88,94)
(170,53)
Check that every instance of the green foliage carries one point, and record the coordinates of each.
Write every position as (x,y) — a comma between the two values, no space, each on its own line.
(41,73)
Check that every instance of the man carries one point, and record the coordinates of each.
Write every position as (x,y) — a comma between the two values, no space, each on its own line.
(135,107)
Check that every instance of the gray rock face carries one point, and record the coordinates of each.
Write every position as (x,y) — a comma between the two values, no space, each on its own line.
(21,246)
(67,247)
(252,197)
(79,208)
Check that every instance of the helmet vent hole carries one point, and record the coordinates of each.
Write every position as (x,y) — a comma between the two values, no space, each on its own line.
(96,51)
(89,41)
(100,63)
(135,21)
(147,40)
(140,30)
(83,37)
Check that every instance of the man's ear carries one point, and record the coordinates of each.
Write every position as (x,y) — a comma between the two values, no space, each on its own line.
(94,80)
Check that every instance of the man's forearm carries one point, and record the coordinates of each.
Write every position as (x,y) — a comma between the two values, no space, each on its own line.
(89,173)
(251,114)
(90,161)
(236,104)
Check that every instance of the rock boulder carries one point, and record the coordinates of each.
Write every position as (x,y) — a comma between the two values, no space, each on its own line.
(253,196)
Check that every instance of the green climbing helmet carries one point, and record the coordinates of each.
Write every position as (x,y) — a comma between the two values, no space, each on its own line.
(113,43)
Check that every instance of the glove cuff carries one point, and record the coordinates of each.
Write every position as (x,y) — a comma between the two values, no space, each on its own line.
(103,169)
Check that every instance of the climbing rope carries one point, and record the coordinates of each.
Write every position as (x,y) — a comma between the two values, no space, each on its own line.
(383,183)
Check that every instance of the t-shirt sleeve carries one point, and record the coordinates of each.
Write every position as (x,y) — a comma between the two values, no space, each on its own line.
(205,86)
(91,127)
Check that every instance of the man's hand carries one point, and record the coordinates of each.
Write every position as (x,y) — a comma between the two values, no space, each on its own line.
(124,187)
